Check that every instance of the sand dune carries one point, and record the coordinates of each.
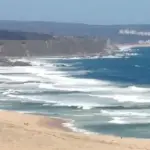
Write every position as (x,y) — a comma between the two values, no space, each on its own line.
(28,132)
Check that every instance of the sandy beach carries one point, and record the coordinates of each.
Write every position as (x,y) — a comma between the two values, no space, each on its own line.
(128,46)
(28,132)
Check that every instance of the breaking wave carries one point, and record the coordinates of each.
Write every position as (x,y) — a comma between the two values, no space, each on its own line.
(74,88)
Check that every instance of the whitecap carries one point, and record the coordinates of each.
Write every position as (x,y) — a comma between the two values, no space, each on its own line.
(138,89)
(120,113)
(70,125)
(118,120)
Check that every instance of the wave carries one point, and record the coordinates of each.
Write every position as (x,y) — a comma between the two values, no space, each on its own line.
(114,56)
(14,62)
(131,98)
(125,121)
(125,98)
(57,92)
(28,99)
(10,91)
(61,82)
(118,120)
(101,107)
(62,102)
(84,105)
(125,47)
(137,66)
(86,115)
(70,124)
(68,88)
(26,62)
(72,102)
(9,83)
(138,89)
(126,107)
(18,78)
(62,58)
(122,113)
(34,93)
(56,101)
(119,55)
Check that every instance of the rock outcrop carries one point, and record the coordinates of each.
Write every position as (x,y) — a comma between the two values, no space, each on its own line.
(9,62)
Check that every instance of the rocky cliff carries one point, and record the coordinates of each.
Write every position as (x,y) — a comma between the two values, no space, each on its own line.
(55,46)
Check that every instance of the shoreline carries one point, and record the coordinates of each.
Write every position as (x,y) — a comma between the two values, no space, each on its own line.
(100,54)
(24,131)
(62,123)
(67,125)
(130,46)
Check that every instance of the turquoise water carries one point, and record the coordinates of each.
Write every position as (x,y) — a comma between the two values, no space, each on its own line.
(109,95)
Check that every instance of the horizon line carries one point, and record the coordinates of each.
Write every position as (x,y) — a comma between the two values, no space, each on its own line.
(77,23)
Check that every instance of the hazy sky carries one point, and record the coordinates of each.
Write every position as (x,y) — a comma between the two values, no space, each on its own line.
(84,11)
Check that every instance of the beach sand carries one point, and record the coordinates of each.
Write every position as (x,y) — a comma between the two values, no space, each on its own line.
(28,132)
(128,46)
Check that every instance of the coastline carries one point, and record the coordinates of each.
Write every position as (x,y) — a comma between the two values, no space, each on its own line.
(130,46)
(24,131)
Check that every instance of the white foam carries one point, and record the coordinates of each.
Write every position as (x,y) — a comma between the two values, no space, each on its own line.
(125,47)
(19,59)
(117,120)
(93,92)
(81,105)
(27,112)
(70,88)
(125,113)
(71,126)
(127,55)
(138,89)
(61,78)
(32,99)
(10,91)
(85,105)
(129,120)
(62,58)
(27,60)
(131,98)
(124,94)
(17,96)
(17,78)
(137,66)
(114,56)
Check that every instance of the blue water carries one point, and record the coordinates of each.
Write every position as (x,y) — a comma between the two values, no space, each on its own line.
(109,95)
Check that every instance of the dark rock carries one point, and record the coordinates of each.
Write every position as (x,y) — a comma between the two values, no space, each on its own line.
(20,63)
(7,62)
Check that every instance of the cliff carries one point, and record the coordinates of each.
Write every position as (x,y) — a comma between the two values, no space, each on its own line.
(51,46)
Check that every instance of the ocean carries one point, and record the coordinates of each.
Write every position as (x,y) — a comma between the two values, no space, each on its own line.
(108,95)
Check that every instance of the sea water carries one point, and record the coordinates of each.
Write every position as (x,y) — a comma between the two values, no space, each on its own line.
(109,95)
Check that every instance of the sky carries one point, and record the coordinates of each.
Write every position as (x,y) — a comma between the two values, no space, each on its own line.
(77,11)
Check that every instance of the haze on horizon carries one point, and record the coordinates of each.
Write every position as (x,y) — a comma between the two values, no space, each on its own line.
(77,11)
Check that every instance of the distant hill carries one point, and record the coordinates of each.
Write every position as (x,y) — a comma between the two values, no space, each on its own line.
(21,43)
(18,35)
(49,38)
(74,29)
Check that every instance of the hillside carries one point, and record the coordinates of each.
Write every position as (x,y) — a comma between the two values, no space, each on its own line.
(19,35)
(74,29)
(49,38)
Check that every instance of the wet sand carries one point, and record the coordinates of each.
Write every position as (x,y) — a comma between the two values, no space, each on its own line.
(29,132)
